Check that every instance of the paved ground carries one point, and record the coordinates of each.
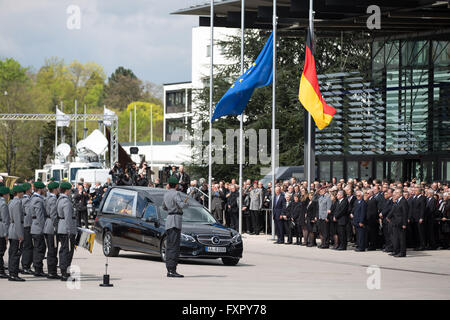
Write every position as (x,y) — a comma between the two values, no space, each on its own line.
(267,271)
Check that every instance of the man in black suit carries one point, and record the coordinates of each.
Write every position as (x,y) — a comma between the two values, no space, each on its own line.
(341,215)
(279,204)
(360,221)
(372,221)
(430,220)
(351,203)
(399,219)
(387,227)
(418,218)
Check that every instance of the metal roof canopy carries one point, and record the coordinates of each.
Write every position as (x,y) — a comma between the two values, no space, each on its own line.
(332,16)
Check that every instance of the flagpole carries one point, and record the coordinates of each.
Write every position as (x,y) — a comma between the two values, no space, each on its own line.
(135,125)
(274,67)
(211,103)
(309,160)
(151,140)
(241,122)
(62,128)
(56,129)
(75,139)
(85,128)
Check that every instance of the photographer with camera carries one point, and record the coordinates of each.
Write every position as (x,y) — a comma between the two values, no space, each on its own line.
(116,173)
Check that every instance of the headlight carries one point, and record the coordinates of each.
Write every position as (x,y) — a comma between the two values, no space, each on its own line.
(236,239)
(187,238)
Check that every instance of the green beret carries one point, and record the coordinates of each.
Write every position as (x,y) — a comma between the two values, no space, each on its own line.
(173,180)
(39,185)
(52,179)
(53,185)
(2,184)
(18,189)
(65,185)
(11,193)
(4,190)
(26,186)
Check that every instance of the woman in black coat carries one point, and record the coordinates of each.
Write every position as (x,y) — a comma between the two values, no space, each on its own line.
(296,212)
(312,211)
(304,200)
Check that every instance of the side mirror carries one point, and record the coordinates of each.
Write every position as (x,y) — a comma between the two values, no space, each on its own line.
(150,219)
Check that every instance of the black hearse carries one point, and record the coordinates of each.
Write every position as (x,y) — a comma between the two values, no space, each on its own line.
(132,219)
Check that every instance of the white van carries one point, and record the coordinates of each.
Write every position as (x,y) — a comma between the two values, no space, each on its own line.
(92,176)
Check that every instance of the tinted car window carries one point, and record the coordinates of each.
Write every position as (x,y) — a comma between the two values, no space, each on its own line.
(192,214)
(150,212)
(121,202)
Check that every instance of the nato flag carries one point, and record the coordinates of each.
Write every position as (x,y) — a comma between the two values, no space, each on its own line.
(259,75)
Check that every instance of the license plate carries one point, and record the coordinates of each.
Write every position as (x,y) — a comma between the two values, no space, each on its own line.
(216,249)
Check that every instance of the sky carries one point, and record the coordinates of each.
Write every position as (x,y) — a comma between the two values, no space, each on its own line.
(140,35)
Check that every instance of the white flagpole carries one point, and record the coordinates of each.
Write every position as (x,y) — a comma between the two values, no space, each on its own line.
(309,160)
(85,128)
(62,128)
(210,104)
(75,139)
(56,129)
(151,140)
(241,122)
(274,66)
(134,125)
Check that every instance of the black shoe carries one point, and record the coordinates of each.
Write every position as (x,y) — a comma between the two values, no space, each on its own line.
(53,276)
(419,249)
(64,277)
(393,253)
(371,249)
(324,247)
(40,274)
(16,278)
(359,250)
(400,255)
(3,275)
(341,249)
(290,242)
(26,271)
(174,274)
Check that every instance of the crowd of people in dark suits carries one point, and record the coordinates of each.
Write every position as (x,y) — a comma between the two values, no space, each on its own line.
(375,215)
(371,215)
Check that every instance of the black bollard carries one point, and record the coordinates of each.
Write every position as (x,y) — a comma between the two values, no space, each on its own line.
(106,277)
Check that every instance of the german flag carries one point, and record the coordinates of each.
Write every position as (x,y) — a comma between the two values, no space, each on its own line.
(309,93)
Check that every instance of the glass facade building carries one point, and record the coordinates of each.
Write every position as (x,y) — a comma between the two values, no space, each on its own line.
(392,122)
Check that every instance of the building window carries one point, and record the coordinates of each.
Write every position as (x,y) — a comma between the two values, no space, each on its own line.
(352,169)
(176,101)
(396,170)
(446,173)
(380,170)
(338,169)
(325,170)
(366,169)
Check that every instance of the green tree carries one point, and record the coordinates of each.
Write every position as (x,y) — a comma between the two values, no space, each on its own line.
(123,87)
(142,122)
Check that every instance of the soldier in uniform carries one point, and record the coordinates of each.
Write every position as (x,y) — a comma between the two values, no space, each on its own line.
(27,255)
(16,233)
(173,203)
(37,208)
(4,225)
(50,229)
(67,228)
